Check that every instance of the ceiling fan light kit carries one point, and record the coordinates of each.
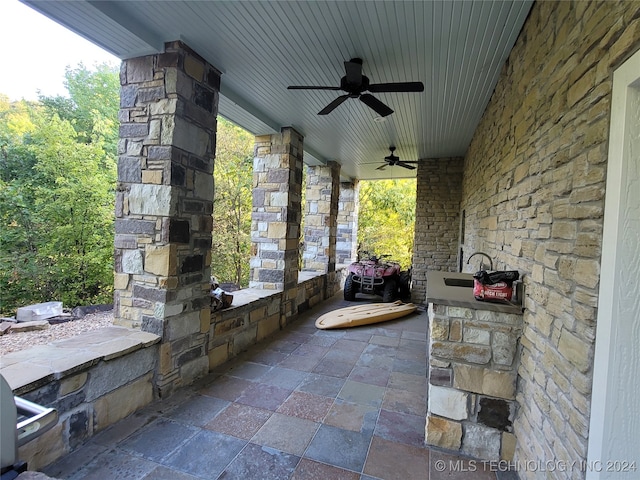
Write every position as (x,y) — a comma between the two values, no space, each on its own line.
(356,84)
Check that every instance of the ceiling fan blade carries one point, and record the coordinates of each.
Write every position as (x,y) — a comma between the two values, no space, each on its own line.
(397,87)
(372,102)
(354,71)
(329,108)
(302,87)
(381,167)
(406,165)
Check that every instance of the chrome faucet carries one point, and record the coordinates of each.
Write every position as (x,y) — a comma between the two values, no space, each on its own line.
(481,262)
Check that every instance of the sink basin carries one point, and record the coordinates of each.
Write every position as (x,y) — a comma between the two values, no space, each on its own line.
(459,282)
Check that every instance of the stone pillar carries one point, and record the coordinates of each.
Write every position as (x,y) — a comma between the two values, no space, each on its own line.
(347,235)
(164,202)
(437,227)
(277,211)
(321,212)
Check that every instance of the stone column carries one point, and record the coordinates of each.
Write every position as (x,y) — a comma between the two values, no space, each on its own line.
(437,227)
(321,212)
(276,213)
(164,201)
(347,235)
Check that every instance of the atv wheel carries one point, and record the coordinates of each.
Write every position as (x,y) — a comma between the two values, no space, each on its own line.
(390,290)
(349,292)
(405,284)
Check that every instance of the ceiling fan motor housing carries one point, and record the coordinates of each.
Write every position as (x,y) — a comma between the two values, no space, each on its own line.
(352,88)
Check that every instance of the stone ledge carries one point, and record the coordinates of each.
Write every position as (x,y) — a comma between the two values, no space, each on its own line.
(246,296)
(28,369)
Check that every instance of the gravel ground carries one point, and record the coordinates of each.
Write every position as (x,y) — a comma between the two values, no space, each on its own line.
(13,342)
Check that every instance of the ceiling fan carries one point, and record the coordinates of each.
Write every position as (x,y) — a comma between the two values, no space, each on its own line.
(355,84)
(394,160)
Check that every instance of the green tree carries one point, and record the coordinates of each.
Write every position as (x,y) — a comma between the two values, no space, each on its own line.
(15,122)
(387,218)
(93,103)
(232,204)
(18,241)
(74,200)
(57,184)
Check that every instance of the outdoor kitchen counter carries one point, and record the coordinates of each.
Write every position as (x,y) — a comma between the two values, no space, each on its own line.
(473,364)
(440,293)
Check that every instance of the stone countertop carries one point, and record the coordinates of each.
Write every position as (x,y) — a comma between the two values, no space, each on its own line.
(439,293)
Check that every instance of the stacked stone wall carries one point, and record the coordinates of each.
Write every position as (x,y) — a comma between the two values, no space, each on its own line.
(473,365)
(335,281)
(234,330)
(438,197)
(277,210)
(321,212)
(92,381)
(347,232)
(534,186)
(163,227)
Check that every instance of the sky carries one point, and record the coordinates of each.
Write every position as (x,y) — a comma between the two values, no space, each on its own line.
(36,51)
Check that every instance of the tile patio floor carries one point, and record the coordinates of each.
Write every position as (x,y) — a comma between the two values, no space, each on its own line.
(304,404)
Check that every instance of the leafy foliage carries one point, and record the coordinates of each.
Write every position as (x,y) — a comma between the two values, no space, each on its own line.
(93,105)
(57,181)
(232,204)
(387,218)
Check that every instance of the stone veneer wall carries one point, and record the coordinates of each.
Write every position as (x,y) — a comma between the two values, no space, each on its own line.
(347,235)
(164,201)
(92,380)
(438,197)
(473,366)
(321,213)
(534,195)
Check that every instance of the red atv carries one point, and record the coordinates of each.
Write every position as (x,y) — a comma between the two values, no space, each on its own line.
(373,276)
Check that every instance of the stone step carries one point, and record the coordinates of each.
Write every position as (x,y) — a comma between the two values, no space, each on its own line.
(29,326)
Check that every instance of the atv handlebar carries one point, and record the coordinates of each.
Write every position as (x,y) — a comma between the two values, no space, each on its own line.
(375,258)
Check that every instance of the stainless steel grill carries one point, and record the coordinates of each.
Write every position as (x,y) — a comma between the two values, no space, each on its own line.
(20,422)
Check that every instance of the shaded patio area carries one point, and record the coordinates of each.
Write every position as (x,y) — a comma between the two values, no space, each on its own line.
(305,403)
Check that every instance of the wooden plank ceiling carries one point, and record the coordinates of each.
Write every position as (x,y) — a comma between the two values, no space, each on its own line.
(456,48)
